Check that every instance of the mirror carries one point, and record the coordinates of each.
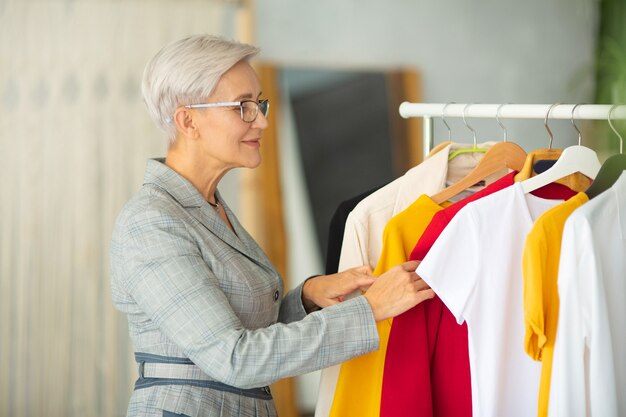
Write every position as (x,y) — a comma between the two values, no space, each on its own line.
(349,134)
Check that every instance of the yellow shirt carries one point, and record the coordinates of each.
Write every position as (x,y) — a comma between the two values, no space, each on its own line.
(360,379)
(540,264)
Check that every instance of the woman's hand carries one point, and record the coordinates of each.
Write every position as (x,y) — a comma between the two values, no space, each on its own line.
(397,290)
(327,290)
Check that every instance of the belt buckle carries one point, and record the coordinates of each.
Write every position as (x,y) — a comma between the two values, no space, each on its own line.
(140,369)
(267,390)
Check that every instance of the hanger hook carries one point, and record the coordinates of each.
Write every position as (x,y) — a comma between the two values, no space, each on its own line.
(580,135)
(499,122)
(443,119)
(545,124)
(621,139)
(468,126)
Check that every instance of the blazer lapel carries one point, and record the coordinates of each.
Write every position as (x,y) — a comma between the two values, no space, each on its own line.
(187,195)
(240,240)
(242,236)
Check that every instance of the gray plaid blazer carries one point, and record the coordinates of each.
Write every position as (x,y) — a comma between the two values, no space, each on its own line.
(191,288)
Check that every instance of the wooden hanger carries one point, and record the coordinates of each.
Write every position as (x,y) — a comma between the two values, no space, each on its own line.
(500,156)
(573,159)
(611,169)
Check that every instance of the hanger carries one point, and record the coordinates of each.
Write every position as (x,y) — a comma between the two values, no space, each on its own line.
(502,155)
(573,159)
(509,152)
(537,155)
(444,143)
(504,131)
(475,148)
(611,169)
(443,119)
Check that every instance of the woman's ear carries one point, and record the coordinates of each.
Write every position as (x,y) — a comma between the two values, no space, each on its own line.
(184,120)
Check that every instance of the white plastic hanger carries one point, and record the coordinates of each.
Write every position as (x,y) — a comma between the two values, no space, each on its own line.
(574,159)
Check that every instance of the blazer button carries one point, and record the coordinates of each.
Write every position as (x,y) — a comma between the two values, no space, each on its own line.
(276,295)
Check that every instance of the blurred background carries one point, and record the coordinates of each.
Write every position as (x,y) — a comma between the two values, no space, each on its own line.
(74,138)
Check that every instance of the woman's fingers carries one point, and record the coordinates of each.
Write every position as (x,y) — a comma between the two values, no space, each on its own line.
(420,284)
(390,297)
(365,269)
(397,291)
(410,266)
(424,295)
(359,278)
(364,283)
(327,290)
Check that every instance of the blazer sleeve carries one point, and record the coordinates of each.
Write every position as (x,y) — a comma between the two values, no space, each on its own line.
(291,308)
(158,264)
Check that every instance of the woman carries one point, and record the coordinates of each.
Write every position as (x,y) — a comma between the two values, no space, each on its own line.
(210,324)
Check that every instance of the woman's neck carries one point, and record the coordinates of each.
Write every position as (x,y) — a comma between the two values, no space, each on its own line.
(199,174)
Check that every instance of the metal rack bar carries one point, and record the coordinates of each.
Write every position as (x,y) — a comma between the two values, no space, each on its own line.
(506,111)
(513,111)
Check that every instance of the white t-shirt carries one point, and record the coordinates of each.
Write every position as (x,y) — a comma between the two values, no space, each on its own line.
(475,267)
(589,365)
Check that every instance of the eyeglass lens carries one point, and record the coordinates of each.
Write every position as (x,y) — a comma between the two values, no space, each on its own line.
(250,109)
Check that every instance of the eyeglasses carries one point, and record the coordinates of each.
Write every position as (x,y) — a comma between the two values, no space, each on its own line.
(249,108)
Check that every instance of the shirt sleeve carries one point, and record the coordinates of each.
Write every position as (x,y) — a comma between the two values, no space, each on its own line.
(534,261)
(452,265)
(171,284)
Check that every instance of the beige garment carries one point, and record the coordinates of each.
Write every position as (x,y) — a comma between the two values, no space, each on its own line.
(438,147)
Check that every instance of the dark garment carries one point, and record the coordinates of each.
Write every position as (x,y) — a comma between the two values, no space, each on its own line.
(336,228)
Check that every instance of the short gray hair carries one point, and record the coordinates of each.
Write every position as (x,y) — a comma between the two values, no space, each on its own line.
(186,72)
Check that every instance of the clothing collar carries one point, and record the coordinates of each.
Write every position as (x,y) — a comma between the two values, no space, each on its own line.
(176,185)
(181,190)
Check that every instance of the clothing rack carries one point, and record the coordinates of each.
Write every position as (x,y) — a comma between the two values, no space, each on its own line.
(505,111)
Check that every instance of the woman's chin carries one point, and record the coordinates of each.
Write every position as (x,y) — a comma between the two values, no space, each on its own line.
(253,163)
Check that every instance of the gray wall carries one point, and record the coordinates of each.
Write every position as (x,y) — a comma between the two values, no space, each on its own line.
(483,51)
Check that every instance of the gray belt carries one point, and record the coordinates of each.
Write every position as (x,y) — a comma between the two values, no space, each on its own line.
(170,370)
